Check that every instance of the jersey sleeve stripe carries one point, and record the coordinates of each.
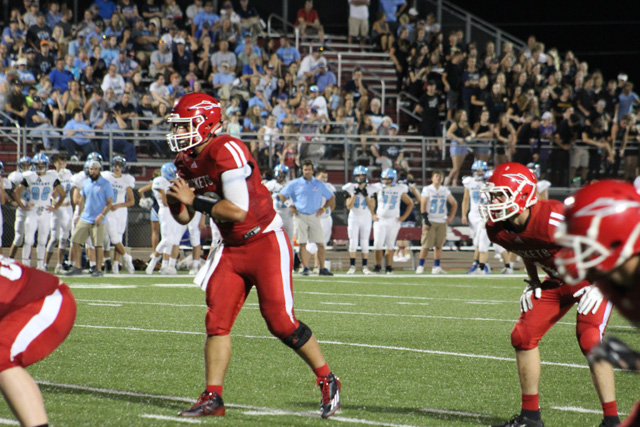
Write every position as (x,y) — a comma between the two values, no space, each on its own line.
(557,215)
(239,151)
(554,222)
(234,154)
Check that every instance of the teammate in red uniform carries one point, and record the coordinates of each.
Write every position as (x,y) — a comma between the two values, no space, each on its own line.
(37,312)
(520,223)
(602,235)
(255,251)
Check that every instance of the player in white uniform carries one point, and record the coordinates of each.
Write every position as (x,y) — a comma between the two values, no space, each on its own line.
(433,208)
(5,184)
(543,185)
(123,184)
(470,203)
(361,210)
(25,164)
(281,178)
(387,220)
(171,232)
(326,222)
(47,195)
(62,219)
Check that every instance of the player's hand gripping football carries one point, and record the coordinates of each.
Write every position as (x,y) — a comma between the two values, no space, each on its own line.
(615,352)
(530,292)
(181,192)
(590,300)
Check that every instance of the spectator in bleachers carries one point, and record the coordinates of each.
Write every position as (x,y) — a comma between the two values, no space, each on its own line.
(151,10)
(392,12)
(159,148)
(77,136)
(161,60)
(309,62)
(109,49)
(358,21)
(182,59)
(626,135)
(193,10)
(287,53)
(281,102)
(598,150)
(53,15)
(159,90)
(381,34)
(129,11)
(308,20)
(25,76)
(126,66)
(324,77)
(430,105)
(250,22)
(356,86)
(223,55)
(106,8)
(113,80)
(38,32)
(16,104)
(30,16)
(252,67)
(260,100)
(207,15)
(12,34)
(113,121)
(45,60)
(126,109)
(37,119)
(60,77)
(268,138)
(318,101)
(222,81)
(95,107)
(399,53)
(459,133)
(72,98)
(452,78)
(626,100)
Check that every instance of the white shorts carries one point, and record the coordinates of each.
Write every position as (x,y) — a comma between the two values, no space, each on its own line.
(116,222)
(38,219)
(385,232)
(194,229)
(170,230)
(479,233)
(327,228)
(287,223)
(359,231)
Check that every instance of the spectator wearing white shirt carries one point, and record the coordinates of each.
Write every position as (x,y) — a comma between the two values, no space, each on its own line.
(113,80)
(358,20)
(161,59)
(318,101)
(159,90)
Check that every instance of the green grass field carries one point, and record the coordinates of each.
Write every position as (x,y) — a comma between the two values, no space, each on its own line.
(423,351)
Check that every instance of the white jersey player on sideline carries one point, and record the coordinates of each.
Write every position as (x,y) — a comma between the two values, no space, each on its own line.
(116,221)
(280,180)
(361,210)
(5,184)
(387,220)
(470,204)
(25,164)
(46,196)
(326,222)
(543,185)
(171,232)
(62,219)
(501,253)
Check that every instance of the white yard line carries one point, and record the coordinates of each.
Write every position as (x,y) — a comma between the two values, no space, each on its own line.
(8,422)
(581,410)
(105,305)
(175,419)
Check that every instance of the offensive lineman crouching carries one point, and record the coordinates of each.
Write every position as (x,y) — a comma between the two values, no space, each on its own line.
(254,249)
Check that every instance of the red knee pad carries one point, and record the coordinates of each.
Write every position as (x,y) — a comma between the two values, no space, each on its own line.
(588,337)
(521,339)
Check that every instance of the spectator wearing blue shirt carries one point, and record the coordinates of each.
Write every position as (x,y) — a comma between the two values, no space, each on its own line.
(205,30)
(252,67)
(260,100)
(126,66)
(12,33)
(60,77)
(222,81)
(207,15)
(324,77)
(626,100)
(287,53)
(53,16)
(95,203)
(74,46)
(306,193)
(390,8)
(109,50)
(77,136)
(106,8)
(247,40)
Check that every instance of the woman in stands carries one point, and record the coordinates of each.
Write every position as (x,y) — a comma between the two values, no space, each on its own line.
(458,134)
(505,137)
(381,34)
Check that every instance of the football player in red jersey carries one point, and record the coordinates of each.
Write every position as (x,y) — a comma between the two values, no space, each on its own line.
(37,312)
(519,222)
(219,177)
(601,233)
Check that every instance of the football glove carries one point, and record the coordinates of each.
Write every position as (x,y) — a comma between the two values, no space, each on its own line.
(530,292)
(364,192)
(615,352)
(590,299)
(146,203)
(425,219)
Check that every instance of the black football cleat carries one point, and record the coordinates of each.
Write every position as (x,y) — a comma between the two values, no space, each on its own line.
(330,389)
(208,404)
(521,421)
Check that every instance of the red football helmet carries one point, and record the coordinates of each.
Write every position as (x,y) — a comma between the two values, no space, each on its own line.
(600,230)
(200,114)
(509,191)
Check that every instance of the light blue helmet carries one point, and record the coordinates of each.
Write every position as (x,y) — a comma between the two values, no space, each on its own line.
(534,168)
(41,162)
(360,174)
(488,174)
(390,173)
(25,164)
(169,171)
(281,172)
(1,167)
(479,165)
(95,156)
(86,166)
(119,161)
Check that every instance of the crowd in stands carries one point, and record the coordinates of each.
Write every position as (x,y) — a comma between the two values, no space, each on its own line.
(124,64)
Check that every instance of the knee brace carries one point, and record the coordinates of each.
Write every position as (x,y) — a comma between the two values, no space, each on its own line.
(299,337)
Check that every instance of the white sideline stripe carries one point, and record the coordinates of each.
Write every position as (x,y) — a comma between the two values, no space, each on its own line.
(176,285)
(229,405)
(339,294)
(106,305)
(450,412)
(253,306)
(97,286)
(337,303)
(168,418)
(8,422)
(581,410)
(348,344)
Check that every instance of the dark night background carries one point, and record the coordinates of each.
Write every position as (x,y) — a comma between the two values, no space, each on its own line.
(606,34)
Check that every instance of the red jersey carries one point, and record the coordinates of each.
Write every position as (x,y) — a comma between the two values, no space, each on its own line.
(20,285)
(308,17)
(536,243)
(204,173)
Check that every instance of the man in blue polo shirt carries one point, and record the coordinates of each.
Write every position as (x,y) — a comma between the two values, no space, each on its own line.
(77,135)
(95,203)
(307,193)
(60,77)
(287,53)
